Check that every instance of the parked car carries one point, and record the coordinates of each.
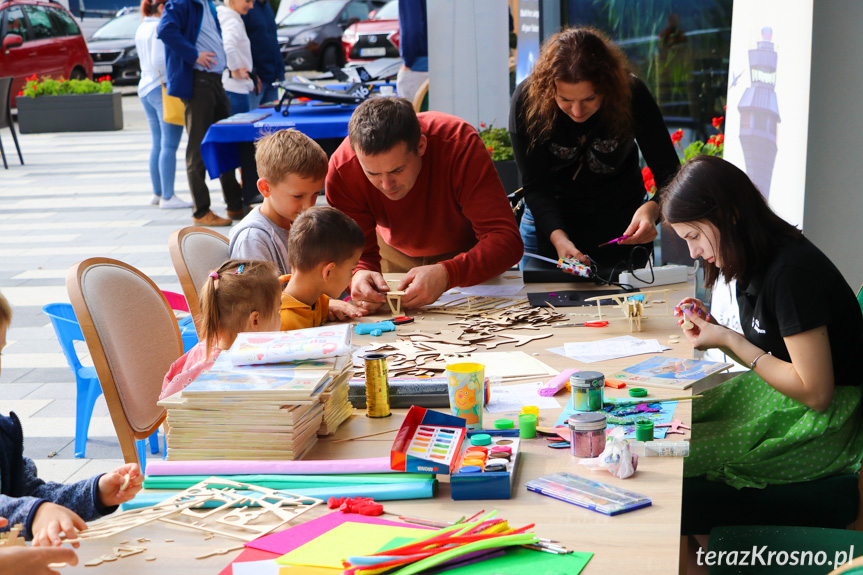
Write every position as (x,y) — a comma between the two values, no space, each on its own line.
(40,37)
(310,36)
(112,48)
(375,38)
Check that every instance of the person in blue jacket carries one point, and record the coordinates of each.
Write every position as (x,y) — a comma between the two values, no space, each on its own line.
(48,509)
(195,59)
(413,47)
(269,66)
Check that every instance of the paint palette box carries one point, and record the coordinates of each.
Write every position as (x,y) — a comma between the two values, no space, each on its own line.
(485,471)
(427,442)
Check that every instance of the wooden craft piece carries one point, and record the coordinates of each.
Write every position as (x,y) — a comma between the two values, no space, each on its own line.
(221,551)
(12,538)
(150,558)
(93,562)
(274,508)
(524,339)
(127,551)
(676,426)
(394,300)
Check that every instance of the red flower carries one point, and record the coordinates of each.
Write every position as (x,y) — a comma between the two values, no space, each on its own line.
(482,125)
(718,121)
(677,136)
(725,108)
(719,139)
(490,150)
(20,93)
(711,140)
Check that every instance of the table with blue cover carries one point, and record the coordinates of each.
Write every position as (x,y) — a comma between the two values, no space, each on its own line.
(227,146)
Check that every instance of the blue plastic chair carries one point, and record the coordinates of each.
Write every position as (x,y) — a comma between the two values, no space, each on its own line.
(88,389)
(187,326)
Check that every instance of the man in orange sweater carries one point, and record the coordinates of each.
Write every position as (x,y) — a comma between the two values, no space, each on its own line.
(425,192)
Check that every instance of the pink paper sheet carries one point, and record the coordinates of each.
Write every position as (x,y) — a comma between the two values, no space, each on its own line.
(297,536)
(323,467)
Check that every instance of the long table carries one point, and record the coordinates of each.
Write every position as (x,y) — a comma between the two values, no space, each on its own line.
(645,541)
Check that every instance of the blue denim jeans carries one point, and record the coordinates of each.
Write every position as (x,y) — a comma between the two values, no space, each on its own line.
(166,140)
(239,102)
(268,93)
(527,228)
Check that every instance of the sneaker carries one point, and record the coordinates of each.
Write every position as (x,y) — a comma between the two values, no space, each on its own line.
(154,201)
(173,203)
(237,214)
(211,219)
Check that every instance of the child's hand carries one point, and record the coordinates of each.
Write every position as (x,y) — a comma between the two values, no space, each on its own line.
(113,489)
(343,310)
(51,520)
(32,561)
(694,304)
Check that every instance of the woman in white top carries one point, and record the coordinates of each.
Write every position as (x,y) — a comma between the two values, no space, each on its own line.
(237,80)
(166,137)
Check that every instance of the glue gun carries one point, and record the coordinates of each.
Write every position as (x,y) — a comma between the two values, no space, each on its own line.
(569,265)
(374,329)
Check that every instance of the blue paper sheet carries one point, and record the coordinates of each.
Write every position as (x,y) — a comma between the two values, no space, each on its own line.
(385,492)
(664,415)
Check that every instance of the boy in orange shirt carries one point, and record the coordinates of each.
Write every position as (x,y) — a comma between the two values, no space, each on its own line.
(324,247)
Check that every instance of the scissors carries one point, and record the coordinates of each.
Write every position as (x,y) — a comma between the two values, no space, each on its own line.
(583,324)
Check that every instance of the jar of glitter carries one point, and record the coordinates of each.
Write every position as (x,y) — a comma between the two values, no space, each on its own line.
(587,390)
(587,431)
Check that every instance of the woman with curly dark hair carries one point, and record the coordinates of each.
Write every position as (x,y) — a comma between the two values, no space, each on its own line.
(577,124)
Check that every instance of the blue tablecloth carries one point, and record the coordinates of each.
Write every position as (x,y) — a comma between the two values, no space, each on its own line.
(221,146)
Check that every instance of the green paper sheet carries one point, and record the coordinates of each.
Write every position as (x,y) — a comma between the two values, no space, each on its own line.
(520,561)
(288,482)
(346,540)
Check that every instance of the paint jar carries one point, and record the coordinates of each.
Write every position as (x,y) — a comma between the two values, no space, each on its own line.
(588,434)
(527,426)
(644,430)
(587,390)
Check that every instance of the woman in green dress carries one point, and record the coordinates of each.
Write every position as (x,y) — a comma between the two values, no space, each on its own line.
(795,416)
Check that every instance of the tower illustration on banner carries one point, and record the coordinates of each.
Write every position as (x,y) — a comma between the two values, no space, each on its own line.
(759,114)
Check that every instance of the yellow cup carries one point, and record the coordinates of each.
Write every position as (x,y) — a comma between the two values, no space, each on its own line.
(466,392)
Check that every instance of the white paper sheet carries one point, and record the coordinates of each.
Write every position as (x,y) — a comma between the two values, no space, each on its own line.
(514,397)
(607,349)
(265,567)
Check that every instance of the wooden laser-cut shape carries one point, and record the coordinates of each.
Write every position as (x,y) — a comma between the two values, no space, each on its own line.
(394,300)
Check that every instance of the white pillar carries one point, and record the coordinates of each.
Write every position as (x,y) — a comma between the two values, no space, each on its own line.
(469,59)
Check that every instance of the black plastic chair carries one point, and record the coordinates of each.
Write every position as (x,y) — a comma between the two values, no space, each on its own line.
(6,118)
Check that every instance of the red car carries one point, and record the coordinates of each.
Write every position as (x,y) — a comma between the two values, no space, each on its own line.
(40,37)
(374,38)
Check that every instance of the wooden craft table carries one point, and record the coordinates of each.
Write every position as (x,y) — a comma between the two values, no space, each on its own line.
(644,541)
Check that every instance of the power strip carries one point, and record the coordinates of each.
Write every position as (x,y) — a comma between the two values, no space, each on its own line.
(663,275)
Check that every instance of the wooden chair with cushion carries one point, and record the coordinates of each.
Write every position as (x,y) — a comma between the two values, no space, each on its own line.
(195,252)
(133,339)
(421,98)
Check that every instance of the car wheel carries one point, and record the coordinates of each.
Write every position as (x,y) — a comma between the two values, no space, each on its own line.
(329,57)
(77,74)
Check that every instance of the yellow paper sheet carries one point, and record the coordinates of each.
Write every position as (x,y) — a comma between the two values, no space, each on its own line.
(305,570)
(343,541)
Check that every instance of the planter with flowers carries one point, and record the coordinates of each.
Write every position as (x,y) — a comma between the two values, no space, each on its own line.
(49,105)
(497,143)
(674,249)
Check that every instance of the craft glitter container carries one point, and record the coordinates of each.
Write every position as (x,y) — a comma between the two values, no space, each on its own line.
(587,390)
(587,432)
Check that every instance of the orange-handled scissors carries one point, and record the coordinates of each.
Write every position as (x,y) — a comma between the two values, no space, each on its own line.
(583,324)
